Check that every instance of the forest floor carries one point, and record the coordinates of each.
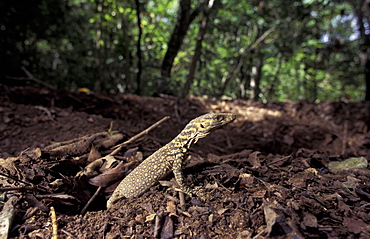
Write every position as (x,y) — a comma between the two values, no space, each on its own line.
(266,174)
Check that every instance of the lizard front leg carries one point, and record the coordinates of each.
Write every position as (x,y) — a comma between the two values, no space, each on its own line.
(179,176)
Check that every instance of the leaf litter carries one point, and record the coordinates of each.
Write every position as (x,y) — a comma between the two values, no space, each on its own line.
(266,174)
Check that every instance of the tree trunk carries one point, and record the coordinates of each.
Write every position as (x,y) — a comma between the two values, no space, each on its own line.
(366,48)
(272,87)
(245,81)
(256,79)
(128,80)
(184,19)
(367,78)
(99,81)
(198,50)
(363,10)
(138,49)
(240,61)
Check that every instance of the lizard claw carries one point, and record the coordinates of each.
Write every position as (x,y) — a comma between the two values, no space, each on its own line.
(200,192)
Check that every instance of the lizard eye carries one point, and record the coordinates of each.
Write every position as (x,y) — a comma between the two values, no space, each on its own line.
(202,126)
(218,118)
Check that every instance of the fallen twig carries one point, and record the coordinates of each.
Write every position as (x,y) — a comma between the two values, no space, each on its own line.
(182,199)
(90,201)
(25,188)
(38,187)
(36,80)
(110,127)
(53,216)
(67,233)
(219,183)
(47,112)
(146,131)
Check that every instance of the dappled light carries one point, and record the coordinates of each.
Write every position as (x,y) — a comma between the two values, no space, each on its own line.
(260,50)
(184,119)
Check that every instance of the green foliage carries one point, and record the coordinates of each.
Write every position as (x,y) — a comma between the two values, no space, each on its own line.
(310,53)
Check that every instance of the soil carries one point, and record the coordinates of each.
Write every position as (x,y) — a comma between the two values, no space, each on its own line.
(266,174)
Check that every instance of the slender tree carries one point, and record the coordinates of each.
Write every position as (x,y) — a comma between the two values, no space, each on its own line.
(198,48)
(185,16)
(138,49)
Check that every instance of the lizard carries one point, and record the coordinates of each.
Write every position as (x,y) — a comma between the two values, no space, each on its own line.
(169,158)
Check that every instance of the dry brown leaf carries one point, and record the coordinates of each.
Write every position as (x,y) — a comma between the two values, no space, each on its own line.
(8,164)
(167,228)
(34,153)
(246,180)
(113,175)
(222,211)
(254,160)
(171,207)
(150,217)
(93,155)
(309,220)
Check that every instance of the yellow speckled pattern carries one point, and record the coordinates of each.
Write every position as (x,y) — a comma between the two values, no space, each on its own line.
(169,157)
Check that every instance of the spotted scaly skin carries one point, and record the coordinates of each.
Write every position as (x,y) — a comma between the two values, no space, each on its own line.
(169,157)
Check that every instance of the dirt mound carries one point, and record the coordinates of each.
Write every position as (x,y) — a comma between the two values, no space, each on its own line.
(266,174)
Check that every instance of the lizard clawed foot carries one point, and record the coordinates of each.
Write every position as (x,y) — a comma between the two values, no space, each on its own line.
(197,191)
(201,193)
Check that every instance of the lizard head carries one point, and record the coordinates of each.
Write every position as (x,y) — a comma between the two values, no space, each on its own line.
(205,124)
